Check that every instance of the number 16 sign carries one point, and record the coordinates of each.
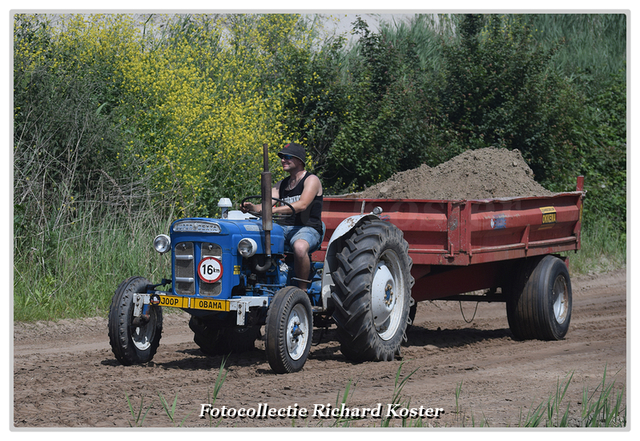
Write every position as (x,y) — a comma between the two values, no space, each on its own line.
(210,270)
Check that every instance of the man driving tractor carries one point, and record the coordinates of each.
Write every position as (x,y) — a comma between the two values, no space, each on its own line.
(303,192)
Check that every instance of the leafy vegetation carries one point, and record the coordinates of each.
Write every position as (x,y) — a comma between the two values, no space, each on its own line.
(125,122)
(603,407)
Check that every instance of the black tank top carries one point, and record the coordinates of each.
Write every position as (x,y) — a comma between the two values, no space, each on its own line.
(309,217)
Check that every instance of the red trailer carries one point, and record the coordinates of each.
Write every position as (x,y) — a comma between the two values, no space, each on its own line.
(507,247)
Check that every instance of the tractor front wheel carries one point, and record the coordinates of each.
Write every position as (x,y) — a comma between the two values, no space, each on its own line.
(288,330)
(133,343)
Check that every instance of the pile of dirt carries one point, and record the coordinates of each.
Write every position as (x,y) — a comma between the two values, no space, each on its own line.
(487,173)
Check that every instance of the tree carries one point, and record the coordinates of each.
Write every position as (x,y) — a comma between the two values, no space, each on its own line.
(503,90)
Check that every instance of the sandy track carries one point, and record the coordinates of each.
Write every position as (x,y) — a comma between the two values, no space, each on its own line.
(66,376)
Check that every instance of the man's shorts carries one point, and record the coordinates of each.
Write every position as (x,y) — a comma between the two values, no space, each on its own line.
(310,235)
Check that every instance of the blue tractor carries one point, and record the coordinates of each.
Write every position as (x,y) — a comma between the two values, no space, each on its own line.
(232,284)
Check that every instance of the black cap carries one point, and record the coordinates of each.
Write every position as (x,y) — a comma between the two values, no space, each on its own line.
(295,150)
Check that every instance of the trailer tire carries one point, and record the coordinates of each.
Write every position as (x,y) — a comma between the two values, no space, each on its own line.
(288,330)
(372,292)
(539,305)
(133,344)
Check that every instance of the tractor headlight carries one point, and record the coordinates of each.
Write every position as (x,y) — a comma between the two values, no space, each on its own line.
(162,243)
(247,247)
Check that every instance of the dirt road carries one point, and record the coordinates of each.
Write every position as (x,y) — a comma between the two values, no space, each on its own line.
(66,376)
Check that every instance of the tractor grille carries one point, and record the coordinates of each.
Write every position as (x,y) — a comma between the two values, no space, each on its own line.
(185,269)
(211,250)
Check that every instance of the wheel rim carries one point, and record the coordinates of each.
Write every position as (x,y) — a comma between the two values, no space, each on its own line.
(561,299)
(387,299)
(297,332)
(142,336)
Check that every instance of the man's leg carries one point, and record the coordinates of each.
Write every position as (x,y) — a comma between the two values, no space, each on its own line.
(301,262)
(302,241)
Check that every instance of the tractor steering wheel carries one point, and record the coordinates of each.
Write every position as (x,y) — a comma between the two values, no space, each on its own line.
(275,216)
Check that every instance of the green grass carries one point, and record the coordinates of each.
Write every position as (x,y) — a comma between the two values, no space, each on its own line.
(72,272)
(602,407)
(603,249)
(137,417)
(75,270)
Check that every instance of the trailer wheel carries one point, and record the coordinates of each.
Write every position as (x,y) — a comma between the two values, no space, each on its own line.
(133,344)
(372,293)
(289,330)
(539,306)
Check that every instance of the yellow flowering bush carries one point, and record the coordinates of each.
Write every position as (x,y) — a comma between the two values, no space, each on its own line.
(204,105)
(196,96)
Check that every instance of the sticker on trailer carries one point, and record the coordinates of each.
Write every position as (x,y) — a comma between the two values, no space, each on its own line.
(548,215)
(210,270)
(499,222)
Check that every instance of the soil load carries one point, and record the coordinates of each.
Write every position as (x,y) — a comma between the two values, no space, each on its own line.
(486,173)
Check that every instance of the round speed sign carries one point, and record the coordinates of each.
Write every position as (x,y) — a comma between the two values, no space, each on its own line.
(210,270)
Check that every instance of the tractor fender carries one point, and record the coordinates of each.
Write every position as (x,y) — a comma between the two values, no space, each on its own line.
(334,247)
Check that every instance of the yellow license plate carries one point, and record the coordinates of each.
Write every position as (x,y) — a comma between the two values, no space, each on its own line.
(173,301)
(209,304)
(194,303)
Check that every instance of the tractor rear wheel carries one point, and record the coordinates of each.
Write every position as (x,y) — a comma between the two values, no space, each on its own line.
(372,292)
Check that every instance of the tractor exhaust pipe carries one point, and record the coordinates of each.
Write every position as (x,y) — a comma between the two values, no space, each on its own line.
(267,218)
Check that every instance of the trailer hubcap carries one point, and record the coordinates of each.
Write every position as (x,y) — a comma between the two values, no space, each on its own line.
(561,299)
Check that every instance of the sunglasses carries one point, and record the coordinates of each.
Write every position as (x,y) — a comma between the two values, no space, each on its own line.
(287,157)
